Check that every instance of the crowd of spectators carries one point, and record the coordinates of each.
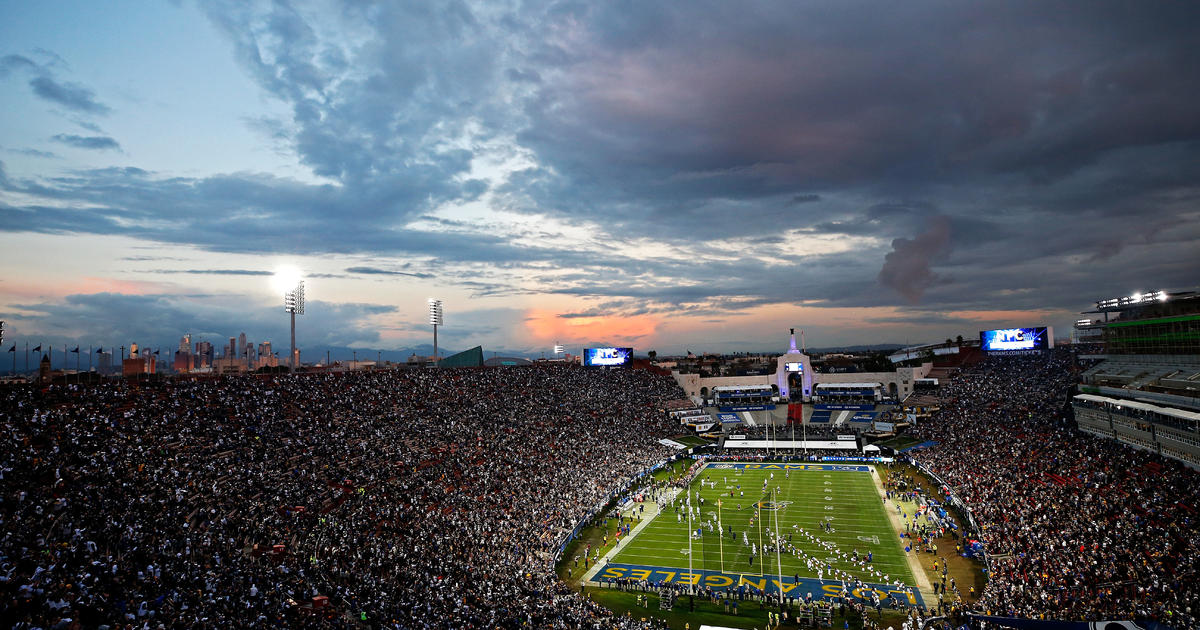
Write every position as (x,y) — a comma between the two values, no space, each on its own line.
(429,499)
(1078,527)
(409,499)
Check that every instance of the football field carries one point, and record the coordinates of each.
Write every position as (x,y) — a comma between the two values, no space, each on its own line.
(830,515)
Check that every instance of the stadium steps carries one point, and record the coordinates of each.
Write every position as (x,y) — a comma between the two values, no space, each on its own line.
(1149,377)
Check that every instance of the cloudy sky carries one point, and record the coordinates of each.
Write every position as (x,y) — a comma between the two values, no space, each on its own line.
(677,175)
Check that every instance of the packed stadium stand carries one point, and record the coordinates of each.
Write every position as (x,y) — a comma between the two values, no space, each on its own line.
(1076,527)
(400,499)
(438,498)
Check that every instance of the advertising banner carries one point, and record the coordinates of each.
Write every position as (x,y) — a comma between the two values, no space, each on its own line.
(744,408)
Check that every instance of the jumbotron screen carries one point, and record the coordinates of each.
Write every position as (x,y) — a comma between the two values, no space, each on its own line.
(607,357)
(1007,339)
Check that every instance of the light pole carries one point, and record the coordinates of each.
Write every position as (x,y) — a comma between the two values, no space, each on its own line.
(435,319)
(293,303)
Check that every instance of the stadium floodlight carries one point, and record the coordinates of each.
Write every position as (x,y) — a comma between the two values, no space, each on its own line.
(1139,297)
(558,349)
(293,304)
(435,319)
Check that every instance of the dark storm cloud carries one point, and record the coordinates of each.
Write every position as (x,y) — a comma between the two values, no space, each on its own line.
(907,268)
(966,155)
(94,143)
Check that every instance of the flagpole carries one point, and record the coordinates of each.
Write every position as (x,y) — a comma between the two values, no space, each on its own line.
(26,356)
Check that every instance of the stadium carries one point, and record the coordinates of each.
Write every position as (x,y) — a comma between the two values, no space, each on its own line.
(1021,485)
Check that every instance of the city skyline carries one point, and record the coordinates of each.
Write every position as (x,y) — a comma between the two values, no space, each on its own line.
(683,177)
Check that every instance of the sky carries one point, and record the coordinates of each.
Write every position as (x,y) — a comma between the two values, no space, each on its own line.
(670,176)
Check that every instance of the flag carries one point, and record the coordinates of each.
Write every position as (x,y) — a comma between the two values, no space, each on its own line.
(76,350)
(156,352)
(38,349)
(13,349)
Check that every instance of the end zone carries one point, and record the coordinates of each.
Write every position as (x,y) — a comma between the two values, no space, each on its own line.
(716,580)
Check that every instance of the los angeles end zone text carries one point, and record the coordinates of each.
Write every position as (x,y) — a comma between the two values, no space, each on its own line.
(830,511)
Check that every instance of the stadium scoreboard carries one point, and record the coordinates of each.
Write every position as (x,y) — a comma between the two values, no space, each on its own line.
(607,357)
(1016,340)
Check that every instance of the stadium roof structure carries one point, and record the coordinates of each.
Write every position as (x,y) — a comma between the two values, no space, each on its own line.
(1138,300)
(1141,406)
(466,358)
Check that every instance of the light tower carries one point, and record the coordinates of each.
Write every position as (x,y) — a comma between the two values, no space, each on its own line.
(435,318)
(293,303)
(558,349)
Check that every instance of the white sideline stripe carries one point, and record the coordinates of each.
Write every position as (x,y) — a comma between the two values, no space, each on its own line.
(652,513)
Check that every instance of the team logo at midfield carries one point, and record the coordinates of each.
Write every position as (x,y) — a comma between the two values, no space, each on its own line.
(773,505)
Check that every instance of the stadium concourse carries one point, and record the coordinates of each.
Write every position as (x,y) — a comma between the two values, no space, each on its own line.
(436,499)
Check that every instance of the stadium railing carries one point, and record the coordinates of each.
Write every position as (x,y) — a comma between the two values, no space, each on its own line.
(958,503)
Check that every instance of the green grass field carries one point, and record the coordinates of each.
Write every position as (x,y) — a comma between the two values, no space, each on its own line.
(842,496)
